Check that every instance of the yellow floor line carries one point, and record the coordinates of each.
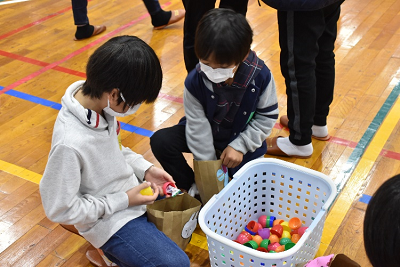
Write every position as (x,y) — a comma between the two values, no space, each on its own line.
(20,172)
(199,241)
(353,186)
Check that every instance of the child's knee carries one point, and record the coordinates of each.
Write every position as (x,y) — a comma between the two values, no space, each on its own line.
(157,141)
(177,259)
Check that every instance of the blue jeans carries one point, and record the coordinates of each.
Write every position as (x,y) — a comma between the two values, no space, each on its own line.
(79,10)
(140,243)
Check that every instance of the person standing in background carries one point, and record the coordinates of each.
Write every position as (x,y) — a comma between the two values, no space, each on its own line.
(159,18)
(307,34)
(194,12)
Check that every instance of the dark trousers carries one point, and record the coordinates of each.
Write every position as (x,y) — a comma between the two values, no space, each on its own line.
(195,9)
(79,10)
(307,40)
(167,145)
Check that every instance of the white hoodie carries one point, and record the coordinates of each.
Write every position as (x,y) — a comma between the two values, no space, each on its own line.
(88,173)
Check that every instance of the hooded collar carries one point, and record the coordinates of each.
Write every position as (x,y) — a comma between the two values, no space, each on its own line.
(88,117)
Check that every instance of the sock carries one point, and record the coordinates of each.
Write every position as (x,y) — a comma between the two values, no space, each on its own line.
(286,146)
(161,18)
(319,131)
(83,32)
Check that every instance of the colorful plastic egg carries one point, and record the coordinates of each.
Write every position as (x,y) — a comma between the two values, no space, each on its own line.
(277,230)
(295,238)
(265,243)
(285,240)
(262,249)
(294,223)
(286,234)
(251,244)
(285,226)
(302,230)
(257,239)
(147,191)
(273,239)
(289,245)
(247,234)
(280,249)
(273,246)
(252,227)
(264,233)
(263,220)
(242,239)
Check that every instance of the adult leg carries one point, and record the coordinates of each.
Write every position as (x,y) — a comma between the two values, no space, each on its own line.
(325,64)
(161,18)
(140,243)
(81,20)
(79,11)
(298,37)
(167,145)
(195,10)
(239,6)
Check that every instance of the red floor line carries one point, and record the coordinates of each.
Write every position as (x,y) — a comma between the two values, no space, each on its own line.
(390,154)
(23,59)
(71,71)
(333,139)
(34,23)
(77,52)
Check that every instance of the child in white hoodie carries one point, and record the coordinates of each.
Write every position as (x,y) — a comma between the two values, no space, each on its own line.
(91,180)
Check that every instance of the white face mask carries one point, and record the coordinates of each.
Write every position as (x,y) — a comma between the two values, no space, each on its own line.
(217,75)
(111,112)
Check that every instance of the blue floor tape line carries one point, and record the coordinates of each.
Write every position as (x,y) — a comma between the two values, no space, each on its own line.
(365,199)
(367,137)
(57,106)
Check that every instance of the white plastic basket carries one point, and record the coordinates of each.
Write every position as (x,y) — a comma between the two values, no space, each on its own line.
(267,187)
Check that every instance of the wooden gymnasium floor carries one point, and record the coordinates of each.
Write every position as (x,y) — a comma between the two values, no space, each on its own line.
(39,59)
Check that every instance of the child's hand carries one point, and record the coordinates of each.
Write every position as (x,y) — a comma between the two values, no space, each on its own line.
(158,177)
(231,157)
(135,198)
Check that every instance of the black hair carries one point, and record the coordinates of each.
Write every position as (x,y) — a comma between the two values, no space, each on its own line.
(127,63)
(224,35)
(382,225)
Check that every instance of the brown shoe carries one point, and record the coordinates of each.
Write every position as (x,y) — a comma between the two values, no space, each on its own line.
(284,121)
(176,15)
(274,150)
(97,30)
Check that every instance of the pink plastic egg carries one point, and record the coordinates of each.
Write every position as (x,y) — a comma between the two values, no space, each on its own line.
(242,239)
(301,230)
(263,220)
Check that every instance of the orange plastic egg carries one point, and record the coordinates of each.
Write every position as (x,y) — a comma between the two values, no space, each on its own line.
(277,221)
(280,249)
(295,238)
(258,239)
(273,239)
(294,223)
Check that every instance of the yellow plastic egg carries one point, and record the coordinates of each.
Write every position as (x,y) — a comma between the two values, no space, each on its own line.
(147,191)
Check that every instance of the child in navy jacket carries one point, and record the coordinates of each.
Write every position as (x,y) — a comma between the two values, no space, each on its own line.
(230,101)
